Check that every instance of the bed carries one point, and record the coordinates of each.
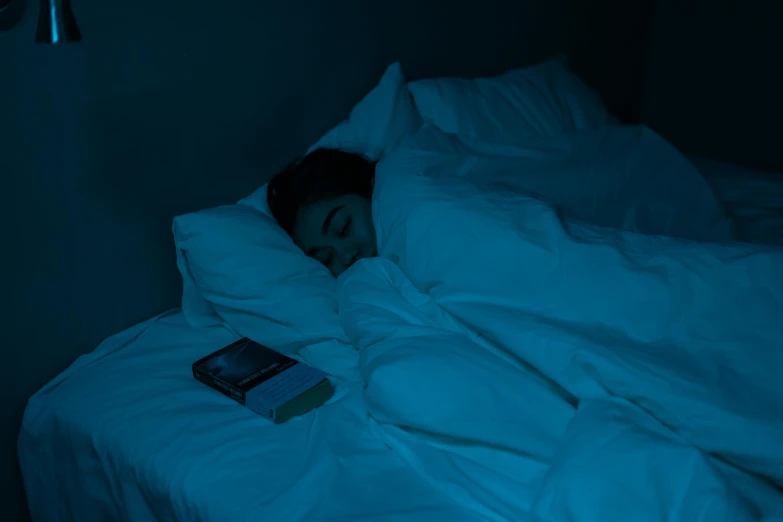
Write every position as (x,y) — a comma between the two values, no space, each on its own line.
(126,433)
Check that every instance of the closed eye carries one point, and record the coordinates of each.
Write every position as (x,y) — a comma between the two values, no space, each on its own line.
(345,228)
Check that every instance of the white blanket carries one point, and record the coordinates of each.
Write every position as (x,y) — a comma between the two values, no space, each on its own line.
(530,346)
(127,434)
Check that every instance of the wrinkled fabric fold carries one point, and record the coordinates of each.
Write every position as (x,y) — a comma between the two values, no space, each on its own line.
(522,316)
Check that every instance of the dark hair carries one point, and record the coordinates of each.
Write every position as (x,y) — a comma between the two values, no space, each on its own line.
(322,174)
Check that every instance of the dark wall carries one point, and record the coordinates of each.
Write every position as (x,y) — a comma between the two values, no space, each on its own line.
(713,79)
(171,106)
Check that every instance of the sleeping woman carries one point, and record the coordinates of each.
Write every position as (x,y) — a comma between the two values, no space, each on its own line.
(323,201)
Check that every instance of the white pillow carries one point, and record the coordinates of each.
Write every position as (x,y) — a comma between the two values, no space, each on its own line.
(376,125)
(538,101)
(239,268)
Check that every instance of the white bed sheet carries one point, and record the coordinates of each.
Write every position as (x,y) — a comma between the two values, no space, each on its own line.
(127,433)
(754,198)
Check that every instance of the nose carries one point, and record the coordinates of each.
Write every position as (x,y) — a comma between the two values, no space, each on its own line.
(349,254)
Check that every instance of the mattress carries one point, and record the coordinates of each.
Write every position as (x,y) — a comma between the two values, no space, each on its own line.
(127,433)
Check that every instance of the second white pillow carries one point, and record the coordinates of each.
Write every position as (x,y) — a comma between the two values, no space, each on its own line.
(530,102)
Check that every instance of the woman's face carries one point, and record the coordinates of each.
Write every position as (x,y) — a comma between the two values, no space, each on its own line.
(337,232)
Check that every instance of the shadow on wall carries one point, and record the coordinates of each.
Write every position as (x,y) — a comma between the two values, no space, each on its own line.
(607,45)
(160,166)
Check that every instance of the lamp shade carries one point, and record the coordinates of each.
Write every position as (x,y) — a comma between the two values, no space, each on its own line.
(56,23)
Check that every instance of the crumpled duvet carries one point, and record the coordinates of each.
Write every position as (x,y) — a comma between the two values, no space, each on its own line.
(567,331)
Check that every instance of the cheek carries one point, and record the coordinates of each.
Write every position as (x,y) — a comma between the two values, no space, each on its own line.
(367,230)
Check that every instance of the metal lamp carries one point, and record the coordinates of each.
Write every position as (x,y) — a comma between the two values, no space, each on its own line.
(56,23)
